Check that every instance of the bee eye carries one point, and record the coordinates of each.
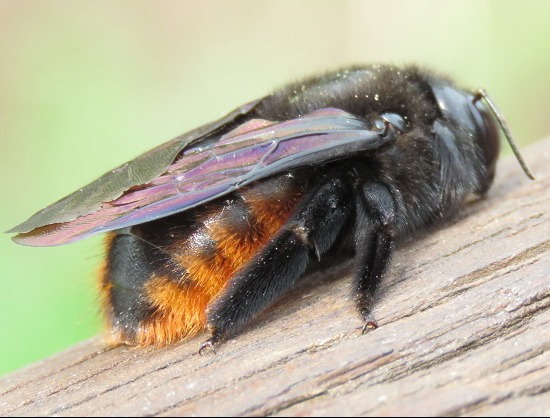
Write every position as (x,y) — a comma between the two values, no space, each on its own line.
(396,120)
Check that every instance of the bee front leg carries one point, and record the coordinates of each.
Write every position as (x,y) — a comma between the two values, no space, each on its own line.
(374,245)
(306,236)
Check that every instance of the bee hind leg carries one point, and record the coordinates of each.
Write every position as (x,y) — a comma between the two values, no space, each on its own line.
(374,245)
(309,233)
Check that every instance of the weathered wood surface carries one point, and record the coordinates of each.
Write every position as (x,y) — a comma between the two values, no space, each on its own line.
(464,330)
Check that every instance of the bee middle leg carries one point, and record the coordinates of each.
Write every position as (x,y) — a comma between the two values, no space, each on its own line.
(307,235)
(374,245)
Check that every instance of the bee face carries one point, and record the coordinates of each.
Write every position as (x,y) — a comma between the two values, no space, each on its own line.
(212,227)
(464,111)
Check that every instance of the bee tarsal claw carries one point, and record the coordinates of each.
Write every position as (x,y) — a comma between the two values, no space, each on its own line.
(207,346)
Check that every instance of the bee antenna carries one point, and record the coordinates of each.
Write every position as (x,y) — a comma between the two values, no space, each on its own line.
(482,94)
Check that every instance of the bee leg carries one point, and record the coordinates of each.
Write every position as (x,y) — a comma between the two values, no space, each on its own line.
(374,245)
(306,236)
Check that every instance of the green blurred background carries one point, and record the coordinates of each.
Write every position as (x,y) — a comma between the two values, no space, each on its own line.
(85,86)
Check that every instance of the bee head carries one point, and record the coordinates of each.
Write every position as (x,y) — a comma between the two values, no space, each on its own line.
(478,124)
(472,123)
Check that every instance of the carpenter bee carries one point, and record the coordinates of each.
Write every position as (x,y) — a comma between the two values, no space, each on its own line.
(209,229)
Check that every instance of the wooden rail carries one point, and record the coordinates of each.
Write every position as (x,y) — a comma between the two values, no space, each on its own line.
(464,330)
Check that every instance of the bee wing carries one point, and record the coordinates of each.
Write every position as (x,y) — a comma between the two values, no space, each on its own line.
(113,184)
(254,150)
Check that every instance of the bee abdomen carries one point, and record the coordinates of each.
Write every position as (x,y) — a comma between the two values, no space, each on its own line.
(177,268)
(131,262)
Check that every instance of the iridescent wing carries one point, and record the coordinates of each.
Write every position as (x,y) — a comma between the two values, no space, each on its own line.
(178,175)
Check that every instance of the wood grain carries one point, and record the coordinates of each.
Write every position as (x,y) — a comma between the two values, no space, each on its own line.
(464,330)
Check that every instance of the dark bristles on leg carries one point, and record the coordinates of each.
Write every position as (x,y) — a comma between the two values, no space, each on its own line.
(282,261)
(374,245)
(364,248)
